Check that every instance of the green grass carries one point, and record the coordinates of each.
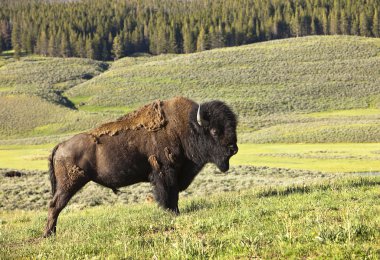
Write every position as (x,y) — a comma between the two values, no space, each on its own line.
(329,220)
(330,158)
(336,158)
(28,157)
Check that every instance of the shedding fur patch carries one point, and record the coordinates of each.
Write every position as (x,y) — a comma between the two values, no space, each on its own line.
(151,117)
(74,172)
(155,165)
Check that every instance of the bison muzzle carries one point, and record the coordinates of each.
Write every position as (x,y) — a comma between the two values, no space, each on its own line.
(165,143)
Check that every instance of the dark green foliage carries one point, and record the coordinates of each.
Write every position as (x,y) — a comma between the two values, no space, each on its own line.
(88,28)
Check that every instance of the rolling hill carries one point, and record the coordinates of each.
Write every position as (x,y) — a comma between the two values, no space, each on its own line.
(316,89)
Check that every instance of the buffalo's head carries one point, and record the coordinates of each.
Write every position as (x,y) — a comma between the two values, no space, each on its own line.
(216,123)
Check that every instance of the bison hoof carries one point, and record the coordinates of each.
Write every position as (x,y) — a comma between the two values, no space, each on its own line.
(174,211)
(48,234)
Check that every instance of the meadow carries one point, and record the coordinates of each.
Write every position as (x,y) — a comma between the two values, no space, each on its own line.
(304,184)
(339,220)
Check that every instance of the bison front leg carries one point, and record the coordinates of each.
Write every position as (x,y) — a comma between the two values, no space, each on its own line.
(166,189)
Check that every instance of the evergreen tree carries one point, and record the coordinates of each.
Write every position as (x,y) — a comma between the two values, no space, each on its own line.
(344,25)
(5,31)
(334,24)
(89,49)
(80,47)
(173,41)
(161,40)
(363,25)
(325,23)
(201,41)
(188,40)
(355,26)
(16,40)
(295,25)
(216,39)
(376,24)
(313,26)
(117,48)
(105,53)
(52,46)
(65,50)
(42,44)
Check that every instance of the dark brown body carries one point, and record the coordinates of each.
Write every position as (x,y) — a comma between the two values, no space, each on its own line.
(161,143)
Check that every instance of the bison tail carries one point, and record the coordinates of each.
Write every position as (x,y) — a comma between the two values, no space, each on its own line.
(53,180)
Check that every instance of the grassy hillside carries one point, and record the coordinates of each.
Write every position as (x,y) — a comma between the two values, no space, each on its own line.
(32,96)
(275,87)
(272,86)
(338,220)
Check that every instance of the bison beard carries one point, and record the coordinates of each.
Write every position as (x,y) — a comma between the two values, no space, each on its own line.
(166,143)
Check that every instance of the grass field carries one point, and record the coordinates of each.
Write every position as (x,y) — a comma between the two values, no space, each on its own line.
(330,158)
(339,220)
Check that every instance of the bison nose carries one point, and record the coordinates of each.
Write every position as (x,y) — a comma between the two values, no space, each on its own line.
(233,149)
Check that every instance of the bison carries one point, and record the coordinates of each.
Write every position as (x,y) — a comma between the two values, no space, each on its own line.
(165,143)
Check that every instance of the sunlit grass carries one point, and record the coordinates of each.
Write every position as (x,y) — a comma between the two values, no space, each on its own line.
(29,157)
(334,158)
(353,157)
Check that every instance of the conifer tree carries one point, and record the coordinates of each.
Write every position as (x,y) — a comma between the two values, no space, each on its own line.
(52,48)
(325,23)
(16,41)
(376,24)
(172,41)
(355,26)
(344,26)
(188,40)
(334,24)
(5,31)
(201,41)
(65,50)
(42,44)
(363,25)
(89,49)
(295,25)
(117,49)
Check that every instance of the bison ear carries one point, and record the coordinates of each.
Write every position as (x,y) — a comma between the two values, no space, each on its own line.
(201,121)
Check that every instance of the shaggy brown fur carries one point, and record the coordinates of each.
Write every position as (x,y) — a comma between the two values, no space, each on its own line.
(150,117)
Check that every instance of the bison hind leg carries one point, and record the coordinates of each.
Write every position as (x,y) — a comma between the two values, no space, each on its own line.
(70,179)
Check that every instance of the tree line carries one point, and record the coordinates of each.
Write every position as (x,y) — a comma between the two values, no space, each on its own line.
(112,29)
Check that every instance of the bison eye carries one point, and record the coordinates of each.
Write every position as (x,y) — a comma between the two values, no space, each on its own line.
(214,132)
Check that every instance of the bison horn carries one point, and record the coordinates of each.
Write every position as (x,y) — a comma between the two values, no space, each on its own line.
(200,120)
